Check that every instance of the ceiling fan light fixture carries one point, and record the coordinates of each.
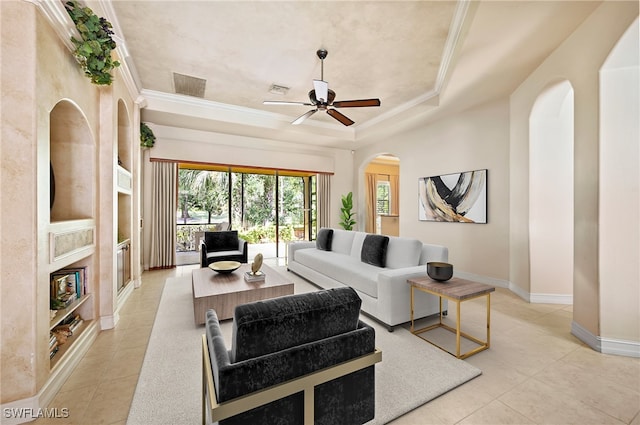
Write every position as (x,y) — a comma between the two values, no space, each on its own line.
(323,99)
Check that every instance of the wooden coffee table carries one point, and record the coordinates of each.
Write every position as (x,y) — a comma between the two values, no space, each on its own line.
(223,292)
(456,290)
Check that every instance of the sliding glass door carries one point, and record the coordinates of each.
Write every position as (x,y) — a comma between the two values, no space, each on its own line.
(268,208)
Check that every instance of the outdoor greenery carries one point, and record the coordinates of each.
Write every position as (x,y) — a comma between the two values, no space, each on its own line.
(204,201)
(93,51)
(346,215)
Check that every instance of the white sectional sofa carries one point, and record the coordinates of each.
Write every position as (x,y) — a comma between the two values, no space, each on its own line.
(376,269)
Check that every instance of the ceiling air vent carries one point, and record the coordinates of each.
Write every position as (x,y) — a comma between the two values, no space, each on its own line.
(191,86)
(277,89)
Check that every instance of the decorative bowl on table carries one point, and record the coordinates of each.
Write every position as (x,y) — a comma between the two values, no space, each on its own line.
(439,271)
(224,266)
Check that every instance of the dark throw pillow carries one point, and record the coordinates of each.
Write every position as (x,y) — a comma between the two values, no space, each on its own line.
(323,241)
(374,250)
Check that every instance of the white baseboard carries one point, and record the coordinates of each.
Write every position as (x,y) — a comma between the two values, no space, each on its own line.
(551,299)
(606,345)
(107,322)
(482,279)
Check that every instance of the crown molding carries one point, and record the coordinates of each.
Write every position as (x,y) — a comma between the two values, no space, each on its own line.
(127,68)
(431,98)
(233,114)
(59,19)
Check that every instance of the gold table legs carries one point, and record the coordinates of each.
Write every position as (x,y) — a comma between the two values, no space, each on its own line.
(483,345)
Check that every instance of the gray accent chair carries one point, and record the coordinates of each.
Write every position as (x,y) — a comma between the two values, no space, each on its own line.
(298,359)
(222,246)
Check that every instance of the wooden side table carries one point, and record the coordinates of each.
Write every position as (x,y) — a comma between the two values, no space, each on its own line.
(456,290)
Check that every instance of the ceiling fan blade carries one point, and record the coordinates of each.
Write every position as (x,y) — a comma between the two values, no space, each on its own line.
(356,103)
(285,102)
(303,117)
(340,117)
(322,90)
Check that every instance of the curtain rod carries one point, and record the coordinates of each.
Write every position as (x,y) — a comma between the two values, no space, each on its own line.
(215,164)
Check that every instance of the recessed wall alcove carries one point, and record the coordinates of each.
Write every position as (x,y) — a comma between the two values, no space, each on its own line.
(551,194)
(72,156)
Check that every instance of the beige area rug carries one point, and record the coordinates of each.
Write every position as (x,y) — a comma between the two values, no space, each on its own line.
(169,389)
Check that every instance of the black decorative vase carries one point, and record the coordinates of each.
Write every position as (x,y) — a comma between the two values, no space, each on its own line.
(439,271)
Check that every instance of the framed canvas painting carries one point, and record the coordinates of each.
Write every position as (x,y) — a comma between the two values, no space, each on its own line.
(456,197)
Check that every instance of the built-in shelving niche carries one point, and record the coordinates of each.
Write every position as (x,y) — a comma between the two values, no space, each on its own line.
(72,223)
(124,189)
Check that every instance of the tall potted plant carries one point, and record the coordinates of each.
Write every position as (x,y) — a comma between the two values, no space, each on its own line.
(346,215)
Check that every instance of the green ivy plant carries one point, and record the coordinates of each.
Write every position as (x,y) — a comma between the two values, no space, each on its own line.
(93,51)
(147,138)
(346,215)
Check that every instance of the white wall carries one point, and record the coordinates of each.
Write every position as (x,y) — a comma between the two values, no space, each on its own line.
(620,192)
(551,195)
(474,139)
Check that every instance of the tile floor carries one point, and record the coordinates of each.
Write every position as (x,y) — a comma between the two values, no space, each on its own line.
(535,372)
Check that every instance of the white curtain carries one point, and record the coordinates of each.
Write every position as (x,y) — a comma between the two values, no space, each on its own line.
(371,196)
(164,196)
(324,197)
(395,194)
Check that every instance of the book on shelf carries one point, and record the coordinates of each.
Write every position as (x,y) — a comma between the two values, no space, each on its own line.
(53,351)
(250,277)
(69,325)
(67,285)
(81,279)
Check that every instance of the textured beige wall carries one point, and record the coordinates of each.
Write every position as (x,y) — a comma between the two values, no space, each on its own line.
(18,220)
(474,139)
(38,72)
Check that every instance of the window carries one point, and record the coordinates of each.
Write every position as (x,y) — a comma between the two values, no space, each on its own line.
(383,201)
(267,207)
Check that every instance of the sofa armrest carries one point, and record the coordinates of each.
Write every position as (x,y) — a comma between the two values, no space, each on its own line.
(389,279)
(203,254)
(394,292)
(431,252)
(219,355)
(294,246)
(243,246)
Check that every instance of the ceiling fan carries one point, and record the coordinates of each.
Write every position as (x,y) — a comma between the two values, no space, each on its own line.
(323,99)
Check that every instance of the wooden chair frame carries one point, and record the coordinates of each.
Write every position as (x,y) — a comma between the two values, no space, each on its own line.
(219,411)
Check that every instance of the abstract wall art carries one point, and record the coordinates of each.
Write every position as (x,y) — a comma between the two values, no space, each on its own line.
(456,197)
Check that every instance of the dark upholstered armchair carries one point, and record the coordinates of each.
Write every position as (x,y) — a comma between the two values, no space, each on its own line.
(298,359)
(222,246)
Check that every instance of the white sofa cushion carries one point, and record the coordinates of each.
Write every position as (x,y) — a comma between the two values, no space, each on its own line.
(356,247)
(342,241)
(403,252)
(345,269)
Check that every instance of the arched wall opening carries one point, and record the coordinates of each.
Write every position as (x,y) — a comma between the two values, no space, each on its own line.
(73,168)
(551,195)
(381,179)
(619,196)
